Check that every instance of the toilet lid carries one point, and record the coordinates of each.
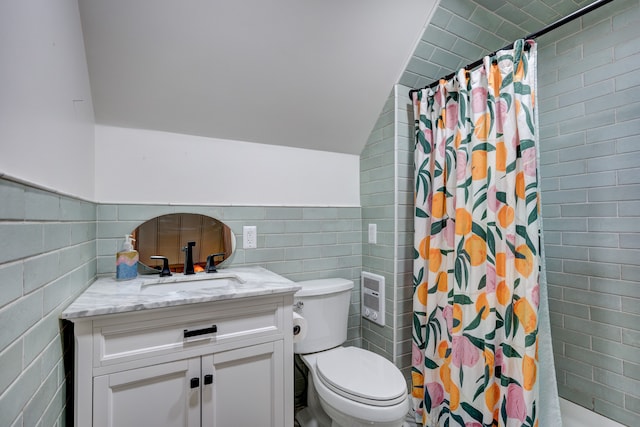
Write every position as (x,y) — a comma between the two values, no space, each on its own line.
(362,376)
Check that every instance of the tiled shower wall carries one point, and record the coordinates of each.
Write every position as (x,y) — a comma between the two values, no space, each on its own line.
(377,197)
(386,192)
(47,257)
(405,208)
(589,76)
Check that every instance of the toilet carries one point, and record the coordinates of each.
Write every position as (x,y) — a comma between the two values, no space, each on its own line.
(346,386)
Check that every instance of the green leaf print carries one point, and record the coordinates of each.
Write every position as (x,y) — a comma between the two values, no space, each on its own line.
(475,322)
(480,388)
(466,185)
(425,120)
(533,215)
(533,413)
(508,319)
(477,230)
(438,170)
(526,144)
(461,269)
(428,363)
(422,140)
(433,289)
(503,411)
(462,299)
(485,146)
(509,351)
(457,418)
(475,341)
(437,226)
(508,79)
(515,326)
(417,331)
(427,402)
(473,412)
(507,98)
(423,178)
(522,89)
(530,339)
(522,232)
(481,201)
(499,321)
(528,119)
(491,242)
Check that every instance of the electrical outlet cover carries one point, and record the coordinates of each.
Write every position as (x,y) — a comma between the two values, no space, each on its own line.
(249,237)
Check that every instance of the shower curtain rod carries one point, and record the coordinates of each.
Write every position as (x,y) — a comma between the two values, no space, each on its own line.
(560,22)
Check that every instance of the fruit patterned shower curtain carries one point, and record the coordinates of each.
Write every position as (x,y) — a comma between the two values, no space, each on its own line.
(476,266)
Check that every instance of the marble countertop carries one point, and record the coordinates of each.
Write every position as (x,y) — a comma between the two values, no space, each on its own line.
(108,296)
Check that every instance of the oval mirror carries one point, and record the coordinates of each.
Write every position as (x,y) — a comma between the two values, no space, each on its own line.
(166,235)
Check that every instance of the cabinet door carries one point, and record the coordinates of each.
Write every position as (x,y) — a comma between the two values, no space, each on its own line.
(158,396)
(247,389)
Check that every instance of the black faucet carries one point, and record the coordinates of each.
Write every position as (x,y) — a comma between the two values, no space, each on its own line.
(211,264)
(165,265)
(188,258)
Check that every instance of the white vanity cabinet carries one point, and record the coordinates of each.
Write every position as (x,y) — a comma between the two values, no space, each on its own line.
(153,395)
(214,364)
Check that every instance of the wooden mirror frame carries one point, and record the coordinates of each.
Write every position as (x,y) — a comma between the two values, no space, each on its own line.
(166,235)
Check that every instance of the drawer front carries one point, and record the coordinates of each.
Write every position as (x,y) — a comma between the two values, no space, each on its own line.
(168,331)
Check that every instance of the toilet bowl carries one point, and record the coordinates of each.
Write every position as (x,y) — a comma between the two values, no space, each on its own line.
(346,386)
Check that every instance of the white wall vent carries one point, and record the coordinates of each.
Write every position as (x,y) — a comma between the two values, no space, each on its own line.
(372,298)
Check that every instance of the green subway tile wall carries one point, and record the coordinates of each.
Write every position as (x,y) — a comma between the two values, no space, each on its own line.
(47,257)
(377,196)
(300,243)
(53,246)
(589,113)
(589,127)
(386,193)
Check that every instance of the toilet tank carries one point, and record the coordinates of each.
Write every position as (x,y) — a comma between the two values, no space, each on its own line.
(324,304)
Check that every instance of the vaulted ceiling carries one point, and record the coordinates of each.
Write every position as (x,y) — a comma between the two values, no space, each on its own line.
(299,73)
(302,73)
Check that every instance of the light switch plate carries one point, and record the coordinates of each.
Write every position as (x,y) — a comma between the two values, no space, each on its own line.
(373,233)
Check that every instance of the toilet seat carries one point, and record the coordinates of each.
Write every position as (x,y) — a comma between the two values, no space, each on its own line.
(361,376)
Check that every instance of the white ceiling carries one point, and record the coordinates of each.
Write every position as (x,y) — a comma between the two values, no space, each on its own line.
(302,73)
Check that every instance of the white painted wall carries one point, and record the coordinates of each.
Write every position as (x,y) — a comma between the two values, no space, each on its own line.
(46,112)
(144,166)
(48,137)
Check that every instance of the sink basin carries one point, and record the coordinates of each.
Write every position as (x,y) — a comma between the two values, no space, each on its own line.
(180,282)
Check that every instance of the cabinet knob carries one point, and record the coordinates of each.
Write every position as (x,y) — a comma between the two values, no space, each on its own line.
(195,382)
(208,379)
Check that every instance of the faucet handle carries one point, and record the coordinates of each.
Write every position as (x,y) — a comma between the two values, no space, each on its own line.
(211,264)
(188,246)
(165,265)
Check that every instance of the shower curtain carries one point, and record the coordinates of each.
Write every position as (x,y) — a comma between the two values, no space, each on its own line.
(477,247)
